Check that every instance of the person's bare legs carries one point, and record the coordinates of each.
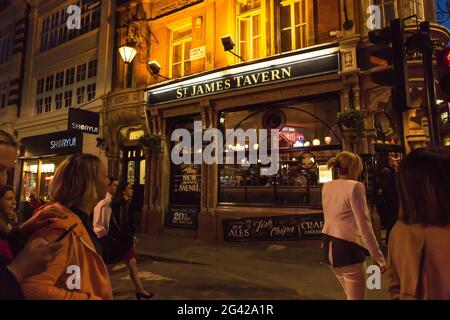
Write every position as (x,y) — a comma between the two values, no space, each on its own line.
(132,267)
(353,280)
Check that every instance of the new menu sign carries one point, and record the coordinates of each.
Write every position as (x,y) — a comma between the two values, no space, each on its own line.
(289,67)
(292,227)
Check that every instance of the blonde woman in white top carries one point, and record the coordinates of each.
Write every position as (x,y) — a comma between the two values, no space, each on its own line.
(347,233)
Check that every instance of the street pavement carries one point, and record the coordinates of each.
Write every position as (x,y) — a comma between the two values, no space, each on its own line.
(180,268)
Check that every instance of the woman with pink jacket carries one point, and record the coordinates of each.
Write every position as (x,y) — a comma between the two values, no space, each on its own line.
(348,232)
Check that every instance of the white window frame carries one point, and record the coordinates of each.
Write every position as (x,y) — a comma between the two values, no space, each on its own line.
(248,16)
(66,88)
(183,41)
(293,26)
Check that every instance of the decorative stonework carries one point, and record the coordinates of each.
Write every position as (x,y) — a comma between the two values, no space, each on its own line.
(175,7)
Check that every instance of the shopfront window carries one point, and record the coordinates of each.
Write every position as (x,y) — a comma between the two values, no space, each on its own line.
(30,178)
(306,143)
(414,7)
(37,176)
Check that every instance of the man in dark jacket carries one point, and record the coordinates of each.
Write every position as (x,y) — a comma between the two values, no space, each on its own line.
(35,256)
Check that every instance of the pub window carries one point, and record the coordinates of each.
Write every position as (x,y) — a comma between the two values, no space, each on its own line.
(414,7)
(92,69)
(48,104)
(40,86)
(49,83)
(70,76)
(3,95)
(185,179)
(306,143)
(58,101)
(388,10)
(80,94)
(293,24)
(39,104)
(91,91)
(81,72)
(59,82)
(250,29)
(180,49)
(68,99)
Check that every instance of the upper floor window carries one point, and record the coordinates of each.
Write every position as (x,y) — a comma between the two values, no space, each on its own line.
(60,88)
(54,27)
(180,48)
(414,7)
(293,24)
(250,29)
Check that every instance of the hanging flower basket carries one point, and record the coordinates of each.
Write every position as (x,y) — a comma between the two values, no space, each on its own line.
(351,123)
(152,142)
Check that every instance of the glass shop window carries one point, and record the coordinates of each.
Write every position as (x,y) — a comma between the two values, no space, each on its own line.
(306,143)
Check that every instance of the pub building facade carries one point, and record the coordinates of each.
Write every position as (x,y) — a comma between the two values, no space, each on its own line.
(300,63)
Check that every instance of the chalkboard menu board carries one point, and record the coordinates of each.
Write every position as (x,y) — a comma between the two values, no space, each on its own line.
(292,227)
(182,216)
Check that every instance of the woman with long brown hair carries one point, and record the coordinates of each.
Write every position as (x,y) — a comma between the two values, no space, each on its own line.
(419,245)
(78,271)
(348,233)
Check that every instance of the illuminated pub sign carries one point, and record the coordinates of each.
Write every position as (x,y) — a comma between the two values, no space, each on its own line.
(301,64)
(56,143)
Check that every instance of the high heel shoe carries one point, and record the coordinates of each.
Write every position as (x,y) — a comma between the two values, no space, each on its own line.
(140,295)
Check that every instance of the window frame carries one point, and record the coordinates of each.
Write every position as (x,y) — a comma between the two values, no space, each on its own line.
(182,41)
(248,15)
(293,26)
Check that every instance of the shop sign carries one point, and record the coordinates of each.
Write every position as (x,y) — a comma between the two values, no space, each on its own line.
(57,143)
(267,72)
(197,53)
(293,227)
(182,216)
(83,120)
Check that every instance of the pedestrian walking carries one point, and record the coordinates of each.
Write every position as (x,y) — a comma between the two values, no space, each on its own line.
(347,231)
(120,239)
(102,211)
(419,244)
(78,272)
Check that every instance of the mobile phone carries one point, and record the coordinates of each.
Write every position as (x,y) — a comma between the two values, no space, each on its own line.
(66,232)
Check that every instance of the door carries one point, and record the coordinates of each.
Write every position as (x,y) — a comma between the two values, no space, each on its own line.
(133,170)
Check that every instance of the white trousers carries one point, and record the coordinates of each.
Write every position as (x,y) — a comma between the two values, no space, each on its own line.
(352,278)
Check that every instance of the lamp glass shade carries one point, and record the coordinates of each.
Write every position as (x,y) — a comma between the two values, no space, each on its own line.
(128,52)
(316,142)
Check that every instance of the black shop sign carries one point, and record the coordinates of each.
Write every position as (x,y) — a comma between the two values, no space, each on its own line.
(182,216)
(285,68)
(57,143)
(83,120)
(292,227)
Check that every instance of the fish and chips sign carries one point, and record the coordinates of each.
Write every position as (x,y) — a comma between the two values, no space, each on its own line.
(306,63)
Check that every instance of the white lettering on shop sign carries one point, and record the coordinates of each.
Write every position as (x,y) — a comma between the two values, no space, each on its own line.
(63,143)
(84,127)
